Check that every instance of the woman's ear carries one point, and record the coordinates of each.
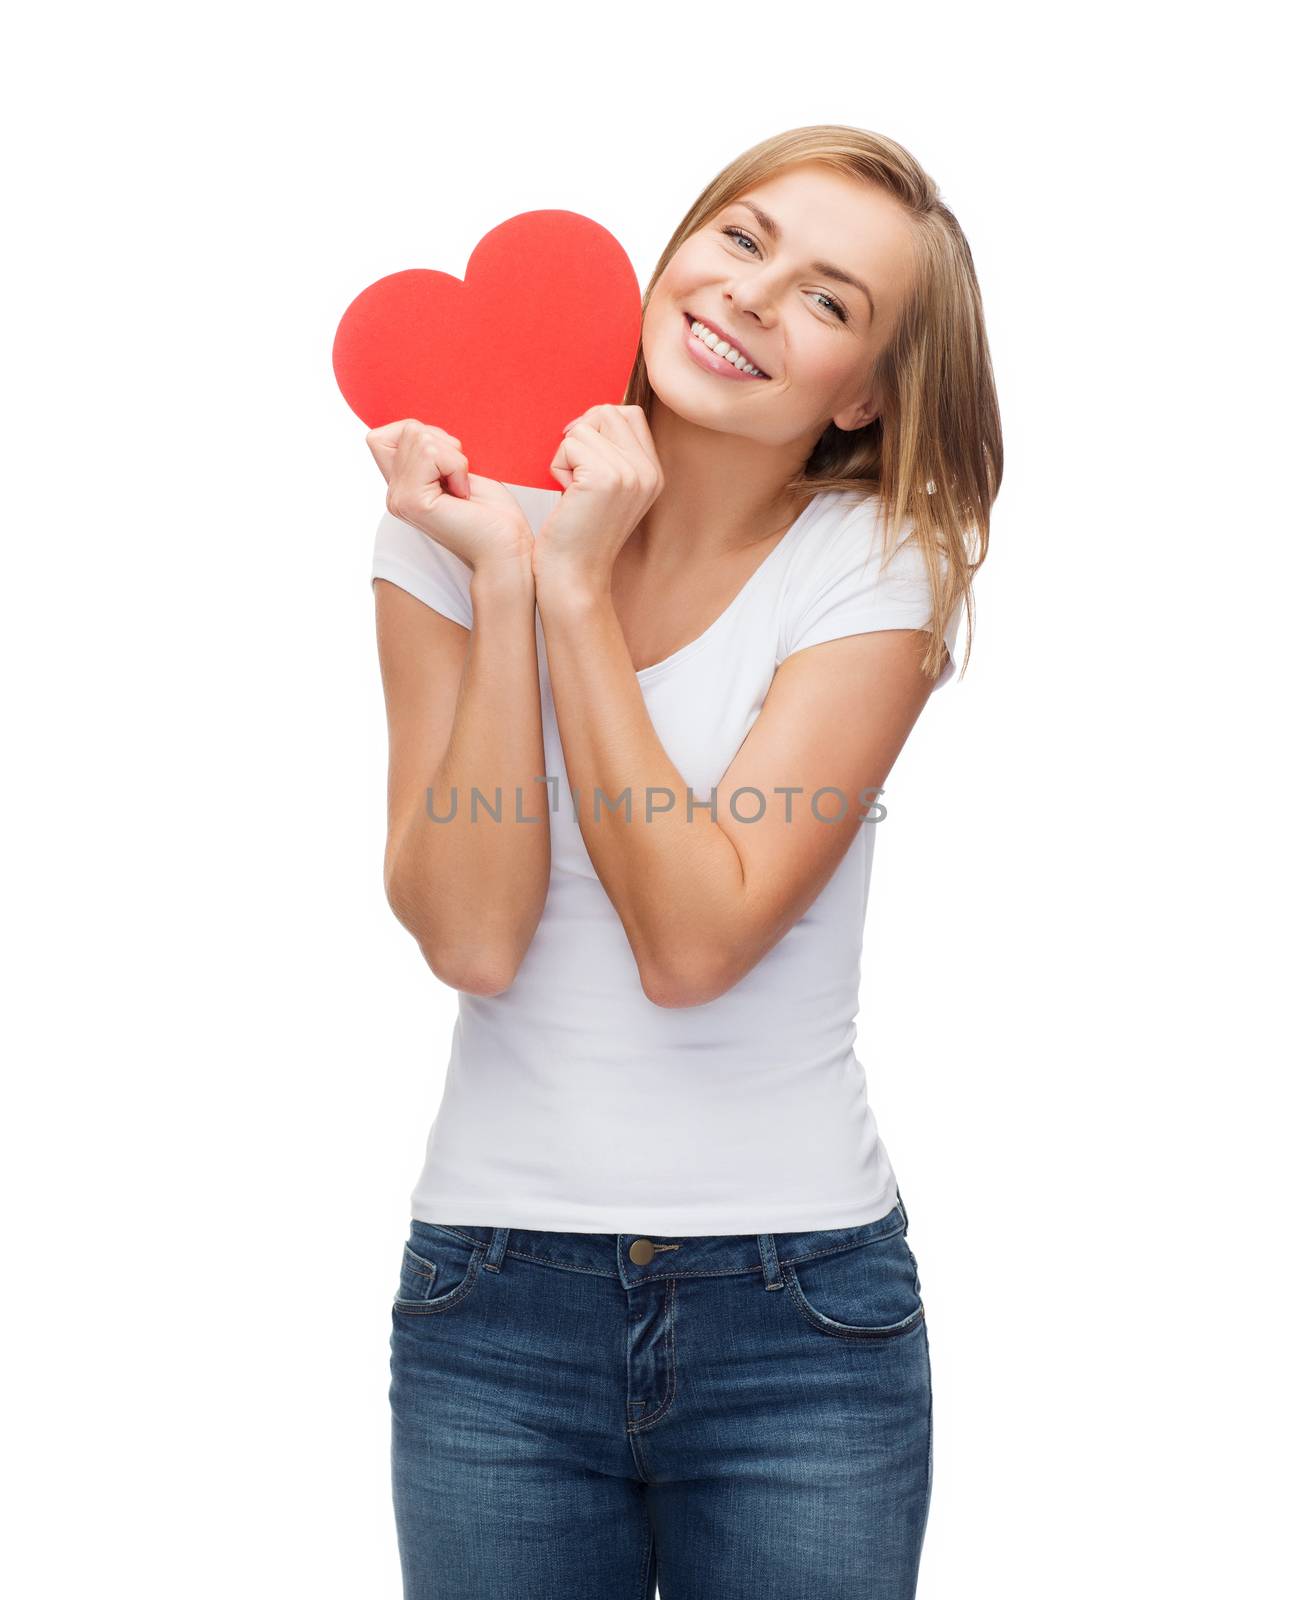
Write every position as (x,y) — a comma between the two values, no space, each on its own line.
(860,415)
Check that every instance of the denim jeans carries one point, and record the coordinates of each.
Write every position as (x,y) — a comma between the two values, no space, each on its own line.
(588,1415)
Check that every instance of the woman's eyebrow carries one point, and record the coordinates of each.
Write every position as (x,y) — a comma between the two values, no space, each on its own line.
(769,225)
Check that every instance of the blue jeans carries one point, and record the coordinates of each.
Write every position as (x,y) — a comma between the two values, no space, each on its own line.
(586,1415)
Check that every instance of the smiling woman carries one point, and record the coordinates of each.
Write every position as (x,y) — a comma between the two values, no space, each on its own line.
(656,1228)
(890,308)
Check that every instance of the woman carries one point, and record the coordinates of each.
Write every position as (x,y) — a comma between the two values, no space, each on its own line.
(657,1320)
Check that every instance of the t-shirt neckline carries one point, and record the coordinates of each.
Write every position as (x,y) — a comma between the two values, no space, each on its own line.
(656,668)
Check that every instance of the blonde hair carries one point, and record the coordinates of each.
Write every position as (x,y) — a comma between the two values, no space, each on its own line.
(933,457)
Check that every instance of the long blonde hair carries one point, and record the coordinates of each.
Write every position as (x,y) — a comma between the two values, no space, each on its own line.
(933,457)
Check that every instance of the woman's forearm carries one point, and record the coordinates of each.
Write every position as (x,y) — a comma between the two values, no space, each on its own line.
(675,879)
(471,889)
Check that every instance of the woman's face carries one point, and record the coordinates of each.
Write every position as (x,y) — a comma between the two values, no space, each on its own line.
(782,298)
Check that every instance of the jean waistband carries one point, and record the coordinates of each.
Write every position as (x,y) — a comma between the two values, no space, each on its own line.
(642,1258)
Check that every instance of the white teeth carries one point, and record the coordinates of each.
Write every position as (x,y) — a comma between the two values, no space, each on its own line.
(727,352)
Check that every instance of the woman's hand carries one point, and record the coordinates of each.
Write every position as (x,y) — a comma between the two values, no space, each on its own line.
(610,475)
(430,487)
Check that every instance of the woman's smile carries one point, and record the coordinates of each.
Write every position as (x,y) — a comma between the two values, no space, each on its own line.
(708,359)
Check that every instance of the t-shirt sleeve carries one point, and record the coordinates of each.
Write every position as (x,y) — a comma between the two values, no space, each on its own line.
(423,566)
(407,557)
(848,585)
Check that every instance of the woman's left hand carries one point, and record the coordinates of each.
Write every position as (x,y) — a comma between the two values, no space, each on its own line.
(610,475)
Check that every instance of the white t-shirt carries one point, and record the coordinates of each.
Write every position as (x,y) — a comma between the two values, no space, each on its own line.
(572,1102)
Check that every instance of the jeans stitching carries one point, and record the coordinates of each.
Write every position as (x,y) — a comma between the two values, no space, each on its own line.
(651,1277)
(848,1330)
(427,1308)
(423,1267)
(643,1422)
(929,1435)
(642,1592)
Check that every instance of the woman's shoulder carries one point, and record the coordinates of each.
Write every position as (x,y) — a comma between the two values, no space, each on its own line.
(843,530)
(845,578)
(852,525)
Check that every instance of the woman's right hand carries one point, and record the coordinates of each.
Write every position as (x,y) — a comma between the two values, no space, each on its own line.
(429,487)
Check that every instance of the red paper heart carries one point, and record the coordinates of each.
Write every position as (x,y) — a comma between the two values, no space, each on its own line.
(545,324)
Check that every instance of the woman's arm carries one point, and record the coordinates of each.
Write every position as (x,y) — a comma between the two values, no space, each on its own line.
(463,711)
(702,901)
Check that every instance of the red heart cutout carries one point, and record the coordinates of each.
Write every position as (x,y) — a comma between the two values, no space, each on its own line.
(545,324)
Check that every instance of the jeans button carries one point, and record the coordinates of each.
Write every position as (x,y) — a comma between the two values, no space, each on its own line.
(641,1252)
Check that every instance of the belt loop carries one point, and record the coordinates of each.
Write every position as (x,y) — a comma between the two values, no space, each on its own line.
(770,1263)
(498,1245)
(903,1209)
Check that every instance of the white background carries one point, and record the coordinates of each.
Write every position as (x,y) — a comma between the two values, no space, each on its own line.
(224,1052)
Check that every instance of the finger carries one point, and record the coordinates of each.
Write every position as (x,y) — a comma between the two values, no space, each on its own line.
(613,423)
(392,432)
(425,459)
(560,466)
(388,436)
(382,454)
(631,462)
(587,447)
(382,442)
(621,425)
(397,440)
(638,421)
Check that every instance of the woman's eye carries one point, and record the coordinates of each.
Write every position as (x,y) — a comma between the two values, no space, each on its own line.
(834,306)
(738,233)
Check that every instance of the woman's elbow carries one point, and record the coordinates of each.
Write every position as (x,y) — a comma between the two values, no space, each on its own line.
(683,983)
(480,972)
(471,968)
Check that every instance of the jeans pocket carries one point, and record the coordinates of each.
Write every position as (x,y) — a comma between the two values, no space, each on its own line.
(438,1270)
(867,1291)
